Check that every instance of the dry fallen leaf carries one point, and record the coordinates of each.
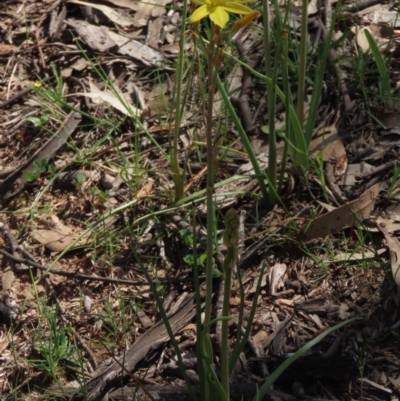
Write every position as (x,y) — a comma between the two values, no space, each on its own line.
(357,256)
(59,236)
(104,40)
(145,190)
(4,341)
(284,302)
(343,216)
(6,49)
(148,9)
(356,170)
(394,248)
(328,145)
(361,38)
(107,96)
(275,277)
(343,311)
(115,15)
(96,37)
(133,5)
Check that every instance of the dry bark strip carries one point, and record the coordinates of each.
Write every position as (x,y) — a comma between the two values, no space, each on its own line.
(239,392)
(15,183)
(104,376)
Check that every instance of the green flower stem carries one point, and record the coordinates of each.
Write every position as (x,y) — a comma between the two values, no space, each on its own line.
(302,63)
(177,175)
(271,102)
(231,237)
(232,113)
(224,332)
(211,166)
(200,366)
(288,103)
(244,138)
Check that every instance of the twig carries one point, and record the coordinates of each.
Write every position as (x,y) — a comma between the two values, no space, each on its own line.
(20,94)
(378,169)
(13,246)
(83,276)
(40,42)
(360,5)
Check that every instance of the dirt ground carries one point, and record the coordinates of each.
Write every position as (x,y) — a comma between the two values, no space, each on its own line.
(85,210)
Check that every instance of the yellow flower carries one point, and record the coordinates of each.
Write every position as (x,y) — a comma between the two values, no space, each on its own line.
(37,84)
(218,10)
(246,19)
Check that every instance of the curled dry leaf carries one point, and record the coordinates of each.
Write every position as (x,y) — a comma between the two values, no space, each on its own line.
(328,145)
(133,5)
(394,248)
(145,190)
(354,171)
(275,277)
(4,341)
(357,256)
(6,49)
(115,15)
(120,103)
(104,40)
(59,236)
(87,303)
(362,41)
(343,216)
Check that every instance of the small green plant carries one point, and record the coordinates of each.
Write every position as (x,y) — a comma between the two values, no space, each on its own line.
(78,181)
(393,190)
(40,167)
(118,315)
(39,121)
(54,349)
(384,85)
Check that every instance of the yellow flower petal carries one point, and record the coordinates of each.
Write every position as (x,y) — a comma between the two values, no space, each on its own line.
(199,13)
(199,2)
(236,8)
(246,19)
(219,16)
(218,10)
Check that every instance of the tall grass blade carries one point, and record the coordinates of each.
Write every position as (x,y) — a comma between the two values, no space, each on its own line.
(177,101)
(167,326)
(384,87)
(318,82)
(243,137)
(271,101)
(278,372)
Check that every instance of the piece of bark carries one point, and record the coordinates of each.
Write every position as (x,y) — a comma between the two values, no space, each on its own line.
(239,392)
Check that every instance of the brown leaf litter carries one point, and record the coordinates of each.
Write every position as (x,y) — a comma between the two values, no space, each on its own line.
(94,195)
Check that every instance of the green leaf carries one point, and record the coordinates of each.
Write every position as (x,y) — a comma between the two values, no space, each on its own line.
(277,373)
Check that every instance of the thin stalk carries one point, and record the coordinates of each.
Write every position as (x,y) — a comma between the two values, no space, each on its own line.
(211,165)
(244,138)
(200,366)
(288,103)
(271,102)
(284,365)
(233,114)
(225,335)
(243,339)
(302,62)
(165,320)
(231,238)
(177,175)
(319,80)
